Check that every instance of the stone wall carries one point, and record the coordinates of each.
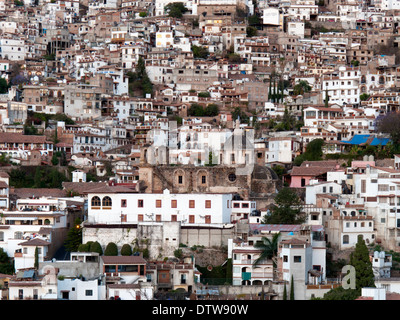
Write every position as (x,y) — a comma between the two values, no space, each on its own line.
(259,182)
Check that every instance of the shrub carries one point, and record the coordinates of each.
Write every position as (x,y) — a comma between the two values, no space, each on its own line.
(178,253)
(96,247)
(111,249)
(84,247)
(126,250)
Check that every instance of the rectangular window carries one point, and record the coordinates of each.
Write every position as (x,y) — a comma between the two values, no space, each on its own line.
(140,203)
(285,258)
(191,204)
(173,217)
(123,203)
(158,203)
(208,204)
(191,219)
(174,203)
(89,293)
(208,219)
(158,217)
(180,179)
(203,179)
(140,217)
(297,259)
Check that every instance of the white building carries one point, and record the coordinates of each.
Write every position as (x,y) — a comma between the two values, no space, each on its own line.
(12,49)
(244,272)
(108,205)
(281,150)
(296,28)
(79,289)
(342,86)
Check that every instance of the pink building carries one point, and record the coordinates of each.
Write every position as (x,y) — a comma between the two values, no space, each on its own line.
(311,170)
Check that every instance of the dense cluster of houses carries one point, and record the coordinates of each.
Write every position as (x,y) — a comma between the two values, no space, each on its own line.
(192,162)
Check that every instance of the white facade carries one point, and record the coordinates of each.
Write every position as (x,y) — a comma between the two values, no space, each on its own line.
(243,270)
(329,188)
(342,88)
(12,49)
(189,209)
(281,150)
(296,28)
(79,289)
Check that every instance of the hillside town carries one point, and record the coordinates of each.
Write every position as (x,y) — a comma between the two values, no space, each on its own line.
(199,150)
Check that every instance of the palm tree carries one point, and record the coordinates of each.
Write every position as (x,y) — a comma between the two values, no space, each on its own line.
(269,249)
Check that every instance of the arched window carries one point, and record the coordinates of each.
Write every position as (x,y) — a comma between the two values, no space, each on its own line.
(96,201)
(107,202)
(46,221)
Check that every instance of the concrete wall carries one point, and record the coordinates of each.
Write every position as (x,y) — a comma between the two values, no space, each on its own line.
(162,239)
(207,237)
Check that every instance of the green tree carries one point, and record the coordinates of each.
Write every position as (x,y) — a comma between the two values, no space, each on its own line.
(54,159)
(292,289)
(96,247)
(313,152)
(204,94)
(284,292)
(196,110)
(364,96)
(3,85)
(269,249)
(126,250)
(175,9)
(36,263)
(38,183)
(360,260)
(287,210)
(74,237)
(139,80)
(234,58)
(326,101)
(200,52)
(251,31)
(111,249)
(178,253)
(6,265)
(84,247)
(239,113)
(301,88)
(340,293)
(229,270)
(288,120)
(254,20)
(211,110)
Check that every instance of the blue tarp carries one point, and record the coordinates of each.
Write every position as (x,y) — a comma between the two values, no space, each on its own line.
(363,138)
